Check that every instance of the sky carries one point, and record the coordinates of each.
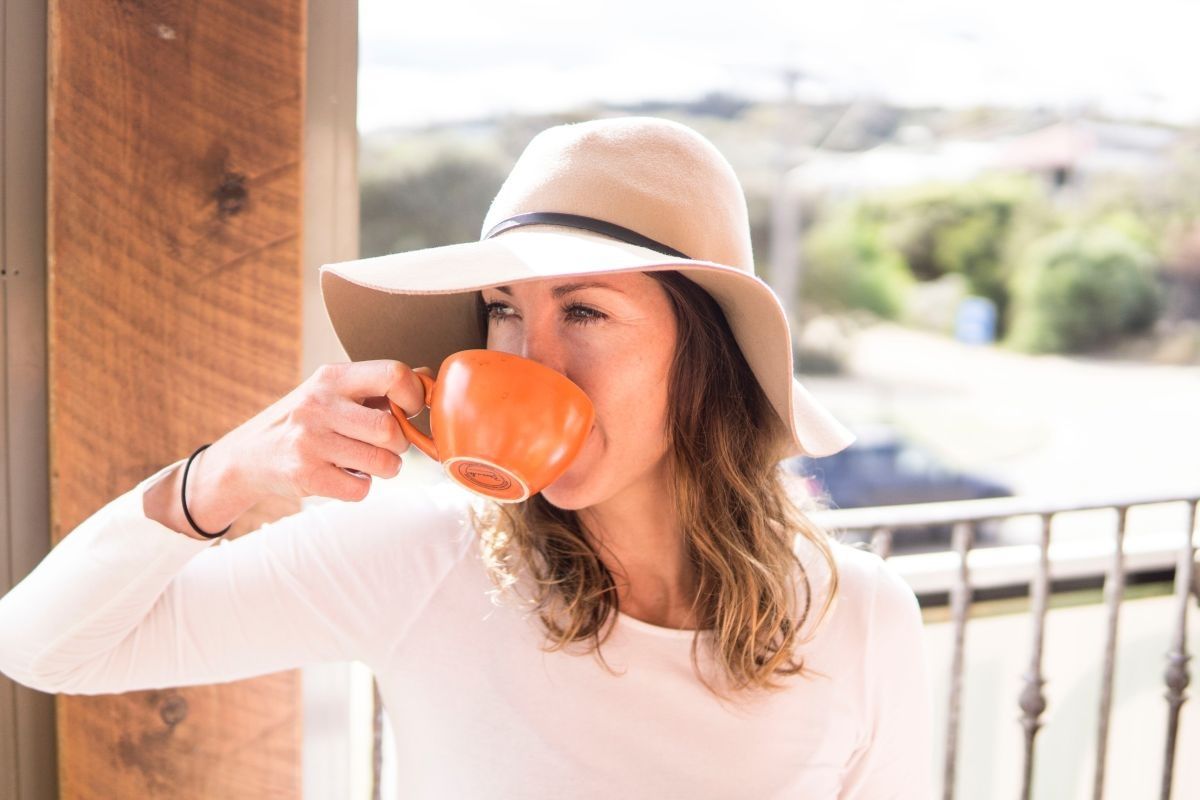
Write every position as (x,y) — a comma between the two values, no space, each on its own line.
(435,62)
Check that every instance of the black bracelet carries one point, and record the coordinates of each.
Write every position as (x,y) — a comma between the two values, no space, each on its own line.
(183,498)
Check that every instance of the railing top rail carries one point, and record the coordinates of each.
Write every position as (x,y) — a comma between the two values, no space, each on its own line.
(950,511)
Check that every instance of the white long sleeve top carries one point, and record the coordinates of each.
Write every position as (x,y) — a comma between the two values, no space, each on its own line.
(125,603)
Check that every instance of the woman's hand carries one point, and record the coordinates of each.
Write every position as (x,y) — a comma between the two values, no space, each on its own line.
(337,420)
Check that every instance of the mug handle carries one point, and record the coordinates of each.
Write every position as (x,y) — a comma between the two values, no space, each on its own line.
(423,442)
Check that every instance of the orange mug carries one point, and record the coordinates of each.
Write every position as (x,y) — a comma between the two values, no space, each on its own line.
(503,426)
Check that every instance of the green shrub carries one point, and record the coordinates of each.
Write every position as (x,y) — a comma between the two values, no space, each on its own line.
(1129,223)
(434,203)
(848,264)
(963,228)
(1079,289)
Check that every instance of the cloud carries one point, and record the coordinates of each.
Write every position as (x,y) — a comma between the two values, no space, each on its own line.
(453,60)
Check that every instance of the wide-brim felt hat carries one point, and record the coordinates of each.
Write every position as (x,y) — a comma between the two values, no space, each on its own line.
(603,196)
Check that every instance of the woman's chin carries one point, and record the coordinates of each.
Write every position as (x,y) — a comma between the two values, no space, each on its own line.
(565,493)
(568,491)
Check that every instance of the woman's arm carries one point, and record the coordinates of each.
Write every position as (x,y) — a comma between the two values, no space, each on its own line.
(123,602)
(217,495)
(896,760)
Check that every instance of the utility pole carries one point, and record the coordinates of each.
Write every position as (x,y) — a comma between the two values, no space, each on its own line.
(787,207)
(786,266)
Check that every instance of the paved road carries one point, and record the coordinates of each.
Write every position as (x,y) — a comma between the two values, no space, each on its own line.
(1042,424)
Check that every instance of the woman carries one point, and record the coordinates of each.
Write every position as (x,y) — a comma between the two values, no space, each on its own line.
(741,651)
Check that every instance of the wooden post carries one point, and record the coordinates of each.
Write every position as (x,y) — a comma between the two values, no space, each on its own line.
(174,305)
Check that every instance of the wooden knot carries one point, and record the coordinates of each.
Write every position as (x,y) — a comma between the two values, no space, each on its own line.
(173,710)
(231,194)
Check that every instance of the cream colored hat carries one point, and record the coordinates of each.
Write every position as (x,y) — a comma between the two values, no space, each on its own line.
(602,196)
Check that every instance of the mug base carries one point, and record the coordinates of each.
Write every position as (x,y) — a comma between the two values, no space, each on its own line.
(485,478)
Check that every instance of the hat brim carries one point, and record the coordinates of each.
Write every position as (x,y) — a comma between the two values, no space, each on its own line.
(419,307)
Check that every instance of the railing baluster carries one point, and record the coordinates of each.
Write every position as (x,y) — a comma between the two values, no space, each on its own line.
(376,740)
(1114,590)
(1033,700)
(881,542)
(1177,672)
(960,600)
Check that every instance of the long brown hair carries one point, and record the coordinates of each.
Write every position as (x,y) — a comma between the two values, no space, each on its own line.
(735,509)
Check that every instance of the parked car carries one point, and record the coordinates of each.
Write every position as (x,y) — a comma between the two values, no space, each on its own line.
(884,468)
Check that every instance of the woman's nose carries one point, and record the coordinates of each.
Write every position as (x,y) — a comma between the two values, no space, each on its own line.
(544,345)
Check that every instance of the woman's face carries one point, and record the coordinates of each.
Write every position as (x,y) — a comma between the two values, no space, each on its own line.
(613,335)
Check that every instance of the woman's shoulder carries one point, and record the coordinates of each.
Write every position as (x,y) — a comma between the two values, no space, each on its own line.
(874,579)
(867,587)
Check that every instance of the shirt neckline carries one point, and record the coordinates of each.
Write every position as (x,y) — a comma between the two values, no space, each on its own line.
(674,633)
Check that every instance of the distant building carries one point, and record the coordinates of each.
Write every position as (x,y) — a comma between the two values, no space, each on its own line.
(1073,151)
(1066,153)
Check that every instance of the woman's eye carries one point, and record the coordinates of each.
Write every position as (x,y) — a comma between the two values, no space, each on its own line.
(499,311)
(589,314)
(489,309)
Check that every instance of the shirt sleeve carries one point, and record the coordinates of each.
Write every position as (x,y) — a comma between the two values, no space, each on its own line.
(124,603)
(895,761)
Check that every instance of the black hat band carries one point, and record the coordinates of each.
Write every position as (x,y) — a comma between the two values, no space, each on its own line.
(586,223)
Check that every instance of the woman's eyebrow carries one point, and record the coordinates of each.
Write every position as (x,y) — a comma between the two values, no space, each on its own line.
(566,288)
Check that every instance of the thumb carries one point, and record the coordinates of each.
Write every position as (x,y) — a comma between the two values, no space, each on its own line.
(381,402)
(418,400)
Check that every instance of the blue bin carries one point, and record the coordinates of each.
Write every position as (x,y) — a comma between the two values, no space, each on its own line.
(975,321)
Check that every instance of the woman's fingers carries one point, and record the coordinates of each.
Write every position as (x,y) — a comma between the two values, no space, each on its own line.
(350,453)
(358,380)
(367,424)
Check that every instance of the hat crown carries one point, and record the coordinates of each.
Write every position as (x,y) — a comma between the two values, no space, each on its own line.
(654,176)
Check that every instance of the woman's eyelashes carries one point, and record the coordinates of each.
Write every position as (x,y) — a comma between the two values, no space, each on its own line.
(588,314)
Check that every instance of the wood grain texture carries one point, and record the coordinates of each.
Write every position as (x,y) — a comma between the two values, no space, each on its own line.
(174,304)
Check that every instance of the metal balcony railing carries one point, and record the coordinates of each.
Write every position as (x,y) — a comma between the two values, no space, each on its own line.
(883,523)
